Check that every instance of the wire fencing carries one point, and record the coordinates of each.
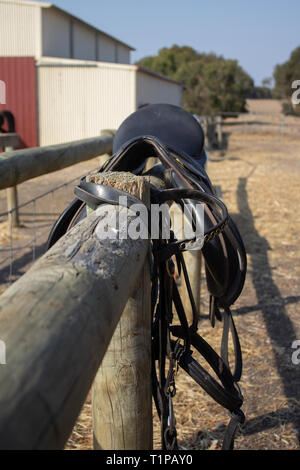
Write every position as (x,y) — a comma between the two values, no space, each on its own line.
(21,246)
(24,228)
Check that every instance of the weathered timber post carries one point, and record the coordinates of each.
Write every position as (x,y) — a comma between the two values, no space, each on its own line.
(12,202)
(56,322)
(211,133)
(122,398)
(193,261)
(8,142)
(219,131)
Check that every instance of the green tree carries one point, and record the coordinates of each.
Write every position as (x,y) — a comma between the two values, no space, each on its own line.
(267,82)
(169,60)
(286,73)
(284,76)
(212,84)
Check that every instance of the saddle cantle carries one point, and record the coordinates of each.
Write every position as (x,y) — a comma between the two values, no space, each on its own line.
(176,139)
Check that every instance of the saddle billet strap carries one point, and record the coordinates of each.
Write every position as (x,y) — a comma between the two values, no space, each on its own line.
(228,324)
(181,263)
(164,386)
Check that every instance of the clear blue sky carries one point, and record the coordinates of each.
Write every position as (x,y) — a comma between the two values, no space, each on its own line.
(259,33)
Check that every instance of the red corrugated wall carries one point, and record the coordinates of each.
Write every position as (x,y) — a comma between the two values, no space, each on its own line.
(19,76)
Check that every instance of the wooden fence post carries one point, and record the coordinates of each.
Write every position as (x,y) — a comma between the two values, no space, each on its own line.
(8,142)
(57,321)
(122,397)
(219,131)
(12,202)
(193,261)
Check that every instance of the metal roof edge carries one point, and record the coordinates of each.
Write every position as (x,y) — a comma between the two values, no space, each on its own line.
(85,23)
(139,68)
(69,62)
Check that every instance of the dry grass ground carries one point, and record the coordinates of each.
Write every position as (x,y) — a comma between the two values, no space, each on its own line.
(259,174)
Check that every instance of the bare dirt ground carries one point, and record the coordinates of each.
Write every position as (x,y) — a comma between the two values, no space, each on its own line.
(259,175)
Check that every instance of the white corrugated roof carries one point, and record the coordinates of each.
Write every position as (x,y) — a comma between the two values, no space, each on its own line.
(52,5)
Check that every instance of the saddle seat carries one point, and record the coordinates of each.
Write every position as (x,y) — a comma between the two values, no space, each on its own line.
(170,124)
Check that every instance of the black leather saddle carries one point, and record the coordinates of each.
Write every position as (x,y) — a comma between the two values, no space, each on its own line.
(142,135)
(171,125)
(176,139)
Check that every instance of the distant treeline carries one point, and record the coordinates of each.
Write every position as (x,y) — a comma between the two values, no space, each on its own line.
(284,75)
(214,85)
(260,92)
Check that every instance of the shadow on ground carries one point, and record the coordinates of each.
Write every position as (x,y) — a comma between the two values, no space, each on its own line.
(278,324)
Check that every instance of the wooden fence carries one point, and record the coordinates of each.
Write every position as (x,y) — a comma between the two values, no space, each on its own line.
(63,319)
(57,322)
(21,165)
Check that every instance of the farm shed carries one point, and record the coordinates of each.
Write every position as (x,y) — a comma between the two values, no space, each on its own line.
(59,100)
(65,79)
(38,29)
(77,99)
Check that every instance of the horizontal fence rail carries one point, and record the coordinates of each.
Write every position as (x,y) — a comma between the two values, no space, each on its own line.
(21,165)
(56,323)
